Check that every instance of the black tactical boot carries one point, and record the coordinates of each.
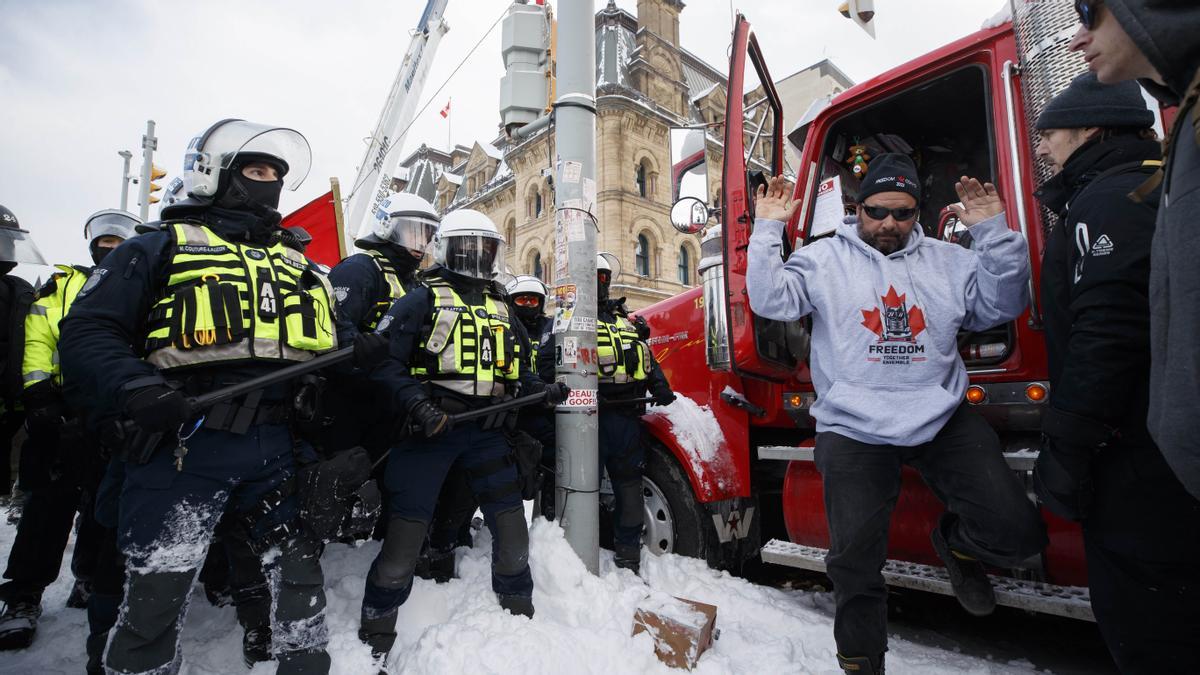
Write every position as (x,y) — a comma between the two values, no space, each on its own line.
(256,645)
(517,605)
(628,557)
(379,633)
(79,595)
(861,665)
(967,576)
(18,623)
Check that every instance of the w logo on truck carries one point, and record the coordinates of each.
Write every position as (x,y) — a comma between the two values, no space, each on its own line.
(735,525)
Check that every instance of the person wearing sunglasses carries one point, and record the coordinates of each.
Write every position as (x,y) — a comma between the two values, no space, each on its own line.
(887,303)
(1098,464)
(1158,43)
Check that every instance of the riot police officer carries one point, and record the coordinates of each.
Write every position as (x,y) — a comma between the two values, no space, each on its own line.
(16,295)
(60,464)
(211,298)
(527,300)
(626,370)
(453,348)
(365,285)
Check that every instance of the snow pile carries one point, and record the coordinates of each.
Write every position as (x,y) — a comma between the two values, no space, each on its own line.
(1001,17)
(583,622)
(696,429)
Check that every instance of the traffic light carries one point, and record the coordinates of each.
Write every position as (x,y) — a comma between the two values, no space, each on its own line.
(155,174)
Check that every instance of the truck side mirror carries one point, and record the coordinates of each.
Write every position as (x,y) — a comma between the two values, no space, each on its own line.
(689,179)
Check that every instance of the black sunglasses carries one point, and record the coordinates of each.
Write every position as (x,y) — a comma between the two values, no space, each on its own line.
(881,212)
(1088,11)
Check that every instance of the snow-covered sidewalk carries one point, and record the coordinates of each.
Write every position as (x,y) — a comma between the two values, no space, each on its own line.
(583,622)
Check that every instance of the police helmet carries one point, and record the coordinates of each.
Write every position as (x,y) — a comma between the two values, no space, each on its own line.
(212,154)
(526,285)
(16,246)
(468,243)
(607,268)
(404,220)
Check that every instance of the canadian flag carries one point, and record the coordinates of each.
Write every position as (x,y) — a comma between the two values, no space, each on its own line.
(446,110)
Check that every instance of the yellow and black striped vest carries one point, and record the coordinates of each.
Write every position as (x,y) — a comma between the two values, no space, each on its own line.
(395,290)
(621,356)
(468,349)
(53,301)
(226,302)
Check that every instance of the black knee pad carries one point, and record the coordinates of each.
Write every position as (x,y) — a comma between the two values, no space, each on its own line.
(397,558)
(512,542)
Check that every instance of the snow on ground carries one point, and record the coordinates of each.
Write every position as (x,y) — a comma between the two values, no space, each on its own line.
(583,622)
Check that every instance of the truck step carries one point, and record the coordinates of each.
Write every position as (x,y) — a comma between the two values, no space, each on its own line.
(1021,460)
(1069,601)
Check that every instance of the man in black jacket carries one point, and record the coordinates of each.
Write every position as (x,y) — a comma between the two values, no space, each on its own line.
(1099,464)
(16,295)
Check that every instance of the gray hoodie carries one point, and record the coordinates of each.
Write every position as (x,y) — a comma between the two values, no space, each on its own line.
(884,360)
(1168,33)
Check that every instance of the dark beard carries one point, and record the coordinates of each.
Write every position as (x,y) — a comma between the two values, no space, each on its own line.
(886,247)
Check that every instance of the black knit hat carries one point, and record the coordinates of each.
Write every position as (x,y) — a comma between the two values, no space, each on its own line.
(1088,103)
(891,172)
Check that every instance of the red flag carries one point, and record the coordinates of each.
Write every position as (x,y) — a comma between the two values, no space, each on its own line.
(320,220)
(446,110)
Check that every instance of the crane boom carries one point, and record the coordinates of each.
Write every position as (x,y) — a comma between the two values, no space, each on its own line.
(373,184)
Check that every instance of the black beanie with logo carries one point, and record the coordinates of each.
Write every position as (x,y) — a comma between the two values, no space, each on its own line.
(890,172)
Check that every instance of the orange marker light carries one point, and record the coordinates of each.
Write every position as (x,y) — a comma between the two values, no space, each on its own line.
(976,394)
(1035,392)
(796,400)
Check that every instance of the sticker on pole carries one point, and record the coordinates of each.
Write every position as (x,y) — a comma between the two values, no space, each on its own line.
(580,398)
(570,350)
(564,302)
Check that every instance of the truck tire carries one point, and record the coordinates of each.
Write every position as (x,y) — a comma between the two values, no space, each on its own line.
(675,521)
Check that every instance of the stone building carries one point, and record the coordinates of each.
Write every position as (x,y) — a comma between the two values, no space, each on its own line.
(645,84)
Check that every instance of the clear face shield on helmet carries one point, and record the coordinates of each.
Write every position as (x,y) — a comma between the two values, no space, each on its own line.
(220,146)
(16,246)
(479,256)
(111,223)
(410,230)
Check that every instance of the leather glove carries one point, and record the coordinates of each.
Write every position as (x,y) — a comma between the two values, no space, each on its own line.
(665,397)
(158,407)
(1062,478)
(642,328)
(556,392)
(428,417)
(370,349)
(43,407)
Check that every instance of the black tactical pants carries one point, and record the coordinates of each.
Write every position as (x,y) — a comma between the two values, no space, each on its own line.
(1142,539)
(988,515)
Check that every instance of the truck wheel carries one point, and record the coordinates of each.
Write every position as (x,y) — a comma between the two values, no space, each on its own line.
(675,521)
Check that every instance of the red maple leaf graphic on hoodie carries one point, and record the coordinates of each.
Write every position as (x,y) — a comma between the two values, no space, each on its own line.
(873,319)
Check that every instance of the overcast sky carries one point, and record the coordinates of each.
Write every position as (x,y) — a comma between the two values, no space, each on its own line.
(79,79)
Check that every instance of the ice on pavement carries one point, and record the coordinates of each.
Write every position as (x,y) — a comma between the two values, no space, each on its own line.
(583,622)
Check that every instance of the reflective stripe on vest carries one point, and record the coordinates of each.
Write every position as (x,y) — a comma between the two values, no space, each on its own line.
(225,302)
(395,289)
(40,361)
(468,349)
(620,355)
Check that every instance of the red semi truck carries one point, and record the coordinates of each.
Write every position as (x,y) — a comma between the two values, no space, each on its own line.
(739,481)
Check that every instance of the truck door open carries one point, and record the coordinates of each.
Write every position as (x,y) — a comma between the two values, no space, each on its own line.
(753,151)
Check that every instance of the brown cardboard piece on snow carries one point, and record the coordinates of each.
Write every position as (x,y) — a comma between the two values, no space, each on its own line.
(681,632)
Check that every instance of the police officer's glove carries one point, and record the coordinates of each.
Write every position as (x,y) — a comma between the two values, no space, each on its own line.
(158,407)
(664,397)
(43,407)
(642,328)
(370,349)
(556,392)
(428,418)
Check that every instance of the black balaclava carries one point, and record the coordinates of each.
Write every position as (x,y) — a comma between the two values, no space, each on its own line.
(235,192)
(528,315)
(99,252)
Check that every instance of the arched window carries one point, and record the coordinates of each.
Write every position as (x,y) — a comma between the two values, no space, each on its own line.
(685,266)
(537,204)
(536,267)
(639,177)
(641,256)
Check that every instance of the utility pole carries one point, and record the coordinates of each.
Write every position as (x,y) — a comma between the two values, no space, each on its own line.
(149,145)
(578,480)
(125,179)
